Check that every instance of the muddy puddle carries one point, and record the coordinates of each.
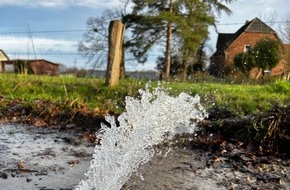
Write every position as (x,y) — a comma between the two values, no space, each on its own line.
(56,159)
(39,158)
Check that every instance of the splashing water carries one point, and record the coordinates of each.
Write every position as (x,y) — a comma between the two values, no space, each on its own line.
(153,119)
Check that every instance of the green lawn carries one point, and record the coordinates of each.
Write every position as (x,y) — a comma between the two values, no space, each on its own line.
(239,98)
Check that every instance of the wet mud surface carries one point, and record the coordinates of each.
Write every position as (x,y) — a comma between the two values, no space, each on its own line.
(42,158)
(196,169)
(56,159)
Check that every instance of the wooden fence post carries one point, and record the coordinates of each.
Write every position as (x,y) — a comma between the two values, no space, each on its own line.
(115,55)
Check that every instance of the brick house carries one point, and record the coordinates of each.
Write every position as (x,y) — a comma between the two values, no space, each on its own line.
(33,66)
(230,44)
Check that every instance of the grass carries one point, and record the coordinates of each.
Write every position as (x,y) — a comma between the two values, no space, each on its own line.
(239,98)
(61,90)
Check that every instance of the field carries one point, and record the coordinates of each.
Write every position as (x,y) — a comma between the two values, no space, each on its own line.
(240,98)
(244,141)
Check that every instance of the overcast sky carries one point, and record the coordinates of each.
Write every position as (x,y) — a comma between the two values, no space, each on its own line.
(58,15)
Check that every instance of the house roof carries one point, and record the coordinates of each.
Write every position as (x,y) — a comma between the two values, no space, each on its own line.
(224,39)
(4,54)
(255,25)
(29,60)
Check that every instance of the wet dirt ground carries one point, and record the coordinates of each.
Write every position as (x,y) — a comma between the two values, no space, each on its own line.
(189,169)
(57,158)
(42,158)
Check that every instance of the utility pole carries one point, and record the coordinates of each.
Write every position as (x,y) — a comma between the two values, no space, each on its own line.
(32,43)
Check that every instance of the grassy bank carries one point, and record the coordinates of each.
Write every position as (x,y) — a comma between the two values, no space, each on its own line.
(239,98)
(75,92)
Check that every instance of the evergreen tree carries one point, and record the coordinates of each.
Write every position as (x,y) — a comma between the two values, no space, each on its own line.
(157,21)
(200,60)
(176,65)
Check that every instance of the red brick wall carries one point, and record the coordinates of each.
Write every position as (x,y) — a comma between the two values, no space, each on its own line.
(279,69)
(251,38)
(237,46)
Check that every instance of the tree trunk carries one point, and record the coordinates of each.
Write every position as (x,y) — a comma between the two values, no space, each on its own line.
(260,73)
(115,55)
(168,43)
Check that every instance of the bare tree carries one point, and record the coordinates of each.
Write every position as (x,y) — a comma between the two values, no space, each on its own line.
(269,18)
(94,47)
(284,30)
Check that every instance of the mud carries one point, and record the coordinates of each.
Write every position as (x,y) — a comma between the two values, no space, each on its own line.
(174,168)
(57,158)
(196,169)
(42,158)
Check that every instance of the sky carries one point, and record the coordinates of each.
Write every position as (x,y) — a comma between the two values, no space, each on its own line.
(53,28)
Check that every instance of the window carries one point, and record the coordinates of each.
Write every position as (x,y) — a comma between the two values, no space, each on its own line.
(247,48)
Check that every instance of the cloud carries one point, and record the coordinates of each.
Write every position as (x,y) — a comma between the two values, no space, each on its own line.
(33,3)
(61,3)
(98,3)
(58,51)
(18,46)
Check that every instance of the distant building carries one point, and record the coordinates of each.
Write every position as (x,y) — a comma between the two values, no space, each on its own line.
(3,57)
(230,44)
(33,66)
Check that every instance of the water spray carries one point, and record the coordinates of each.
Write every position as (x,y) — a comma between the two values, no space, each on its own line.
(153,119)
